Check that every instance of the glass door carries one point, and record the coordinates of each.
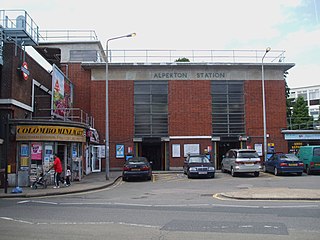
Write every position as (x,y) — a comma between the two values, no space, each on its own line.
(96,159)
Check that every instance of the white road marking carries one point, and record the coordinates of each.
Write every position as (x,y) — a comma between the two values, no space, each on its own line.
(171,205)
(15,220)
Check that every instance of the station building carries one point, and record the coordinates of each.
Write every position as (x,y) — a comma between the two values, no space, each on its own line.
(165,109)
(158,108)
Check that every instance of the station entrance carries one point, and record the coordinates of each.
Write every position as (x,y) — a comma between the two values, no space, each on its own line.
(153,149)
(224,146)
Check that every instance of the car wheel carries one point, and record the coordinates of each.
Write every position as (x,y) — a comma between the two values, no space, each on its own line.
(299,173)
(264,168)
(222,169)
(233,174)
(188,175)
(256,174)
(276,172)
(124,178)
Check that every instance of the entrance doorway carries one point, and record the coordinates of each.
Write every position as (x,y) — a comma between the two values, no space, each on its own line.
(152,150)
(224,147)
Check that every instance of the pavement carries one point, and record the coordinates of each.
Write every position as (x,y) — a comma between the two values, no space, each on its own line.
(96,181)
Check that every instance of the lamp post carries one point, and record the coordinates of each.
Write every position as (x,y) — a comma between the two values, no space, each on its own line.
(264,108)
(107,104)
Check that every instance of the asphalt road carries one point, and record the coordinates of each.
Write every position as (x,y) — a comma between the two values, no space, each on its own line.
(170,207)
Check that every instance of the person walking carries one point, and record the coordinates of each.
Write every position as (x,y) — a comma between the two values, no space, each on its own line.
(57,166)
(68,175)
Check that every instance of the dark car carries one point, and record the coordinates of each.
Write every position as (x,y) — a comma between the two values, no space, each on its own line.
(283,163)
(198,166)
(137,167)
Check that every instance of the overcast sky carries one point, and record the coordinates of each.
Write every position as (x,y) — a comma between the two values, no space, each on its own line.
(290,25)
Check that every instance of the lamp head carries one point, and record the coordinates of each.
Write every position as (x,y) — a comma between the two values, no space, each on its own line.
(268,49)
(132,35)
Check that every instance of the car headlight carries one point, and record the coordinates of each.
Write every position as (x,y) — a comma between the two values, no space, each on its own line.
(192,169)
(211,168)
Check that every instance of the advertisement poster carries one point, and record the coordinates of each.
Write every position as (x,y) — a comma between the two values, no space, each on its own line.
(24,150)
(258,148)
(36,151)
(62,93)
(119,151)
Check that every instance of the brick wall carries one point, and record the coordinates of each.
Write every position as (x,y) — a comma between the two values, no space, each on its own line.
(121,117)
(275,112)
(190,110)
(178,161)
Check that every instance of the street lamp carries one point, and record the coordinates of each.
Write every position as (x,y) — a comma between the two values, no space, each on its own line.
(107,104)
(264,108)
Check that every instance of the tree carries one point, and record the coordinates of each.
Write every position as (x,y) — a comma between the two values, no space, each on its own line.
(182,60)
(288,100)
(300,118)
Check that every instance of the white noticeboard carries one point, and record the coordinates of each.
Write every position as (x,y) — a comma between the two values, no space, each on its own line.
(258,148)
(191,148)
(175,150)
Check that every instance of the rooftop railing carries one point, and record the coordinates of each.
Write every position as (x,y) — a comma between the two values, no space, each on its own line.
(68,35)
(15,21)
(195,56)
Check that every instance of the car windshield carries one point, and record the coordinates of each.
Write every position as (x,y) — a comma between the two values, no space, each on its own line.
(291,157)
(137,160)
(198,159)
(248,154)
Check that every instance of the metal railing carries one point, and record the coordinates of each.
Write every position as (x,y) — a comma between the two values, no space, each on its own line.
(195,56)
(19,20)
(68,35)
(66,114)
(303,124)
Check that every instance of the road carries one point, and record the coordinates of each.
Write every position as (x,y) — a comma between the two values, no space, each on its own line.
(170,207)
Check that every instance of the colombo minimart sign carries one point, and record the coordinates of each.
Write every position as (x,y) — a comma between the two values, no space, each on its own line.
(50,133)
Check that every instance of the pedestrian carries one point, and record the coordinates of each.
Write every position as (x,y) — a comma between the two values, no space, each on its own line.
(68,175)
(57,166)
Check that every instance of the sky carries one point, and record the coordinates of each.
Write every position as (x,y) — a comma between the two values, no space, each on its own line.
(289,25)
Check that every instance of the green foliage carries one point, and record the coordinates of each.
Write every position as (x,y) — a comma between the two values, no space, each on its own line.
(182,60)
(300,118)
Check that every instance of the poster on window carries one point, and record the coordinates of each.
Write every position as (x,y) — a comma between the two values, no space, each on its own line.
(24,151)
(36,151)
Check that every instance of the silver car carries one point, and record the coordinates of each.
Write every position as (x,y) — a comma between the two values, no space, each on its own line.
(241,161)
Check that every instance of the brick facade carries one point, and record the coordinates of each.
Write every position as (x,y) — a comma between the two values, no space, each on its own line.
(190,110)
(275,112)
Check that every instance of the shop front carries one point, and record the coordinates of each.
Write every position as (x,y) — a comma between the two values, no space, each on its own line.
(298,138)
(36,145)
(94,152)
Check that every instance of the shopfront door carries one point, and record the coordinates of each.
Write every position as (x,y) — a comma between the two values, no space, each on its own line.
(96,159)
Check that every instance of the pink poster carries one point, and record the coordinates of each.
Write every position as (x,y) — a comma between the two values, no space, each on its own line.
(36,151)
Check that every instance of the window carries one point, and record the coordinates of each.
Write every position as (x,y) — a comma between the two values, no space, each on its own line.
(303,94)
(228,116)
(151,108)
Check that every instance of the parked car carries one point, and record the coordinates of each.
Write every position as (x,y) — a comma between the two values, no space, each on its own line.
(310,156)
(137,167)
(198,166)
(283,163)
(241,161)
